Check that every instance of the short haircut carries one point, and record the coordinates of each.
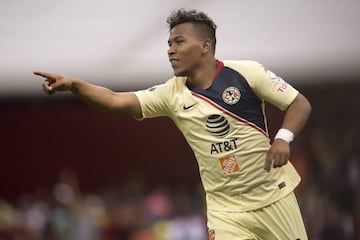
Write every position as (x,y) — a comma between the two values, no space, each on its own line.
(205,25)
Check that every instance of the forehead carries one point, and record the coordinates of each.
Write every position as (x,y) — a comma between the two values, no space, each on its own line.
(183,29)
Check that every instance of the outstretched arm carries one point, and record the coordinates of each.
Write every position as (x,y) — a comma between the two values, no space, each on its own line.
(100,97)
(295,118)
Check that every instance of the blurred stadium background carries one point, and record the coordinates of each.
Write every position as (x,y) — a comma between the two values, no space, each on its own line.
(68,171)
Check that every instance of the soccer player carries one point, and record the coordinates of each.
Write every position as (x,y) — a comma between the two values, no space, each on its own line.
(219,108)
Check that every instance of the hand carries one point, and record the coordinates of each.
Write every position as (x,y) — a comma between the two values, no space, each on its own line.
(55,82)
(278,154)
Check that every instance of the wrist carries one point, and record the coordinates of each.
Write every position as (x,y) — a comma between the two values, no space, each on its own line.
(74,85)
(285,135)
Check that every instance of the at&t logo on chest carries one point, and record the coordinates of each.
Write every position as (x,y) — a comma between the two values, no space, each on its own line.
(231,95)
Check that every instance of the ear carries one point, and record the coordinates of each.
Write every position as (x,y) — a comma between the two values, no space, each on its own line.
(206,45)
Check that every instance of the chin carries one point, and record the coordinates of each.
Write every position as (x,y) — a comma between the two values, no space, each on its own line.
(180,73)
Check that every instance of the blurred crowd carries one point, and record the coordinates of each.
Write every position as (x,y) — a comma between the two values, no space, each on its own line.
(329,197)
(328,159)
(127,213)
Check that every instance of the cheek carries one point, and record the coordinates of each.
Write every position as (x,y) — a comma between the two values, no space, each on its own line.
(193,54)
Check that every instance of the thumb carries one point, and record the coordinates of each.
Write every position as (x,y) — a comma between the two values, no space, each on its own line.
(54,85)
(61,83)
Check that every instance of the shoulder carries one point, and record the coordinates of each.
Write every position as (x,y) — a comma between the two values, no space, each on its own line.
(176,81)
(243,66)
(174,84)
(251,70)
(167,88)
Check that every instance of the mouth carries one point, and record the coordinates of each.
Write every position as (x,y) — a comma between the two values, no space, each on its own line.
(173,62)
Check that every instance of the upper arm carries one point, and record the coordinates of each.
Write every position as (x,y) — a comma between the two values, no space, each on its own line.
(270,87)
(155,101)
(127,103)
(301,104)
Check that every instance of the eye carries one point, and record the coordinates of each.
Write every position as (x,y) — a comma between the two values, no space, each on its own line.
(178,41)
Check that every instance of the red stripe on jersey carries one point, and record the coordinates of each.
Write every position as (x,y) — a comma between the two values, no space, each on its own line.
(219,66)
(230,113)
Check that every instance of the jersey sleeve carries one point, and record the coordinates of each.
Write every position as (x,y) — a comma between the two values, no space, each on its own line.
(270,87)
(154,101)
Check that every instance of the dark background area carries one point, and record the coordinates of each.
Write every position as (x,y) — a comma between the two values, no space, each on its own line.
(41,138)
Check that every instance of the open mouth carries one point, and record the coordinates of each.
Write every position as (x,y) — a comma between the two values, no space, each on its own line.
(174,62)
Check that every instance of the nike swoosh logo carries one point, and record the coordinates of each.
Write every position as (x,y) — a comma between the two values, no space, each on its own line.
(188,107)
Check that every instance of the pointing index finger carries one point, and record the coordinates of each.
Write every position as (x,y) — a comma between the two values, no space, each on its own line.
(45,75)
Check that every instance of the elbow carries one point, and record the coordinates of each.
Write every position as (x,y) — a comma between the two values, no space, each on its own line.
(303,103)
(307,105)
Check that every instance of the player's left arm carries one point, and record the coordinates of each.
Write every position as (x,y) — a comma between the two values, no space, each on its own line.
(296,116)
(274,90)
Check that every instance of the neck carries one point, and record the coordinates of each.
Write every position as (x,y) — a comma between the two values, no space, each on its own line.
(203,77)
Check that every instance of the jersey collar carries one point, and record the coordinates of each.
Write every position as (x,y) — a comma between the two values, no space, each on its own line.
(219,66)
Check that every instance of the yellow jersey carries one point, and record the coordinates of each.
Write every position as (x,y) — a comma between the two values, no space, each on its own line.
(225,125)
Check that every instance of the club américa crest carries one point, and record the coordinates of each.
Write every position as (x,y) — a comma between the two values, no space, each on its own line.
(231,95)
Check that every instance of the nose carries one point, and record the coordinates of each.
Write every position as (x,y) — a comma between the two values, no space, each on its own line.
(171,51)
